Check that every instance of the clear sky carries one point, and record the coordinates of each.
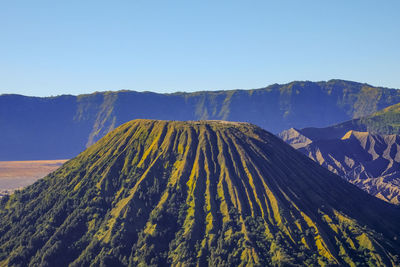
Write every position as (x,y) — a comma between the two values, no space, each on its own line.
(73,47)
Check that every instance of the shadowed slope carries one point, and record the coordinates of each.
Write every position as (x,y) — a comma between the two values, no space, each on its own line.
(60,127)
(385,121)
(186,193)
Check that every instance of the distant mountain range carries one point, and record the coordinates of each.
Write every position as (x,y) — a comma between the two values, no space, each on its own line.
(61,127)
(208,193)
(370,160)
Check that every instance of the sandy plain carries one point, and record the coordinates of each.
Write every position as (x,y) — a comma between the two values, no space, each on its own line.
(18,174)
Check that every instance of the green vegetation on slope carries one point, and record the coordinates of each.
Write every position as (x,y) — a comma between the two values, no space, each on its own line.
(385,121)
(61,127)
(195,193)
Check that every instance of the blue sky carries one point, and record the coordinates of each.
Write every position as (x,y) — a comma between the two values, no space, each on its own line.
(73,47)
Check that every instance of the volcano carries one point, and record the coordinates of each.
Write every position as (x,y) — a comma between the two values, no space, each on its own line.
(195,193)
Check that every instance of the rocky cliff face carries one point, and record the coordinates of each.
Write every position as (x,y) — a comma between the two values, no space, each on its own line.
(61,127)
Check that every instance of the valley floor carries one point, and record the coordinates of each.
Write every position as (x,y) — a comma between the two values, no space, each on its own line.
(18,174)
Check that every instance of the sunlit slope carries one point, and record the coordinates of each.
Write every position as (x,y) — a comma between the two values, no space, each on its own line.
(187,193)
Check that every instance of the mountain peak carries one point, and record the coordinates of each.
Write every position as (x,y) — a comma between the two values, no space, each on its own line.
(356,134)
(295,137)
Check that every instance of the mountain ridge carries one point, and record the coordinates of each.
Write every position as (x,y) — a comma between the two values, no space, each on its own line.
(60,127)
(205,91)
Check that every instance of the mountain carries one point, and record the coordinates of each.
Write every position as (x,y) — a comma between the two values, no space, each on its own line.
(155,193)
(370,161)
(364,151)
(60,127)
(386,121)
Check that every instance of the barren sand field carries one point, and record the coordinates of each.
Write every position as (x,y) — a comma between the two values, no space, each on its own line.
(18,174)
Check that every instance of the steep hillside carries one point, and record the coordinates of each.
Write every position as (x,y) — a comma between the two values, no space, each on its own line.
(195,193)
(386,121)
(370,161)
(61,127)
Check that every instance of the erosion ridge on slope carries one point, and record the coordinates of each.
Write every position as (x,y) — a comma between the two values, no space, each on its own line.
(214,193)
(370,161)
(364,151)
(60,127)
